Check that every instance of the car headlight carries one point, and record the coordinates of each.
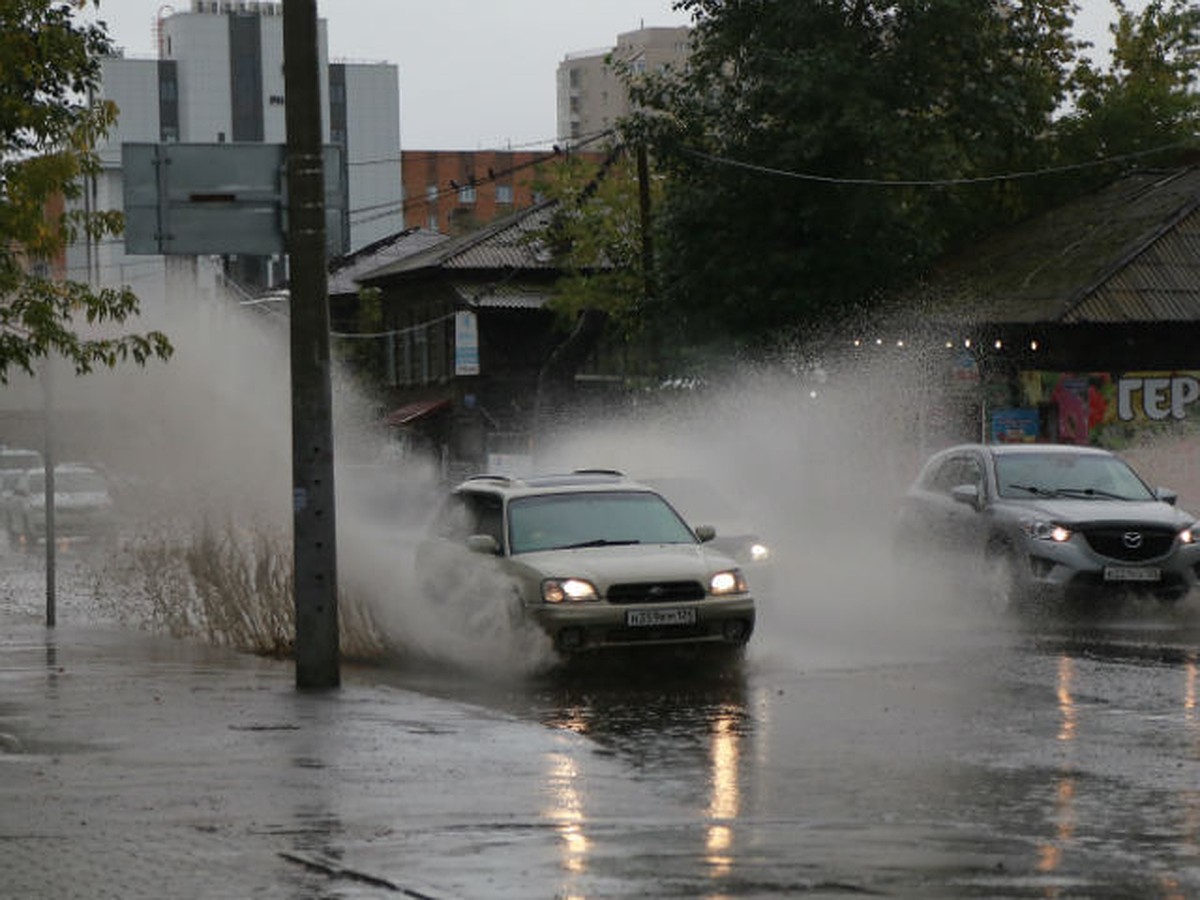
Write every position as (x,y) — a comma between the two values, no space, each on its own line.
(558,590)
(730,581)
(1188,535)
(1041,530)
(759,552)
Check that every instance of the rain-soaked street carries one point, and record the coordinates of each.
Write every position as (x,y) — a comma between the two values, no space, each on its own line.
(879,746)
(977,760)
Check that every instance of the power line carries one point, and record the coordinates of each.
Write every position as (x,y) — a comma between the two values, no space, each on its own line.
(929,182)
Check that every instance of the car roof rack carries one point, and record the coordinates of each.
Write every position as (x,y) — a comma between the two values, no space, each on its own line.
(485,476)
(615,473)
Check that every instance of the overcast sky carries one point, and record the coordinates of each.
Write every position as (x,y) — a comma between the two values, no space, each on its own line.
(475,74)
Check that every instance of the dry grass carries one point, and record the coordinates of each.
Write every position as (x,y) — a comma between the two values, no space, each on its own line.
(230,585)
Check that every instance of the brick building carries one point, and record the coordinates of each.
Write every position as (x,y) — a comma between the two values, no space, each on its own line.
(456,191)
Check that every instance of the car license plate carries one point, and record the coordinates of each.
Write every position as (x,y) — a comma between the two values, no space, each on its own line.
(641,618)
(1132,573)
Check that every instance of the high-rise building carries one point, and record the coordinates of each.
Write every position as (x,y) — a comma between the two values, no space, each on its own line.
(218,78)
(591,94)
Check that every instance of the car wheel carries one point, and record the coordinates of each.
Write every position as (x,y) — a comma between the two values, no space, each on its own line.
(1003,593)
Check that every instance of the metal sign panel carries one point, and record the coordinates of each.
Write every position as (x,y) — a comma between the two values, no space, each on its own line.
(199,199)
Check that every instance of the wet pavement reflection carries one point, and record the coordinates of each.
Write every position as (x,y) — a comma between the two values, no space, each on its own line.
(1047,759)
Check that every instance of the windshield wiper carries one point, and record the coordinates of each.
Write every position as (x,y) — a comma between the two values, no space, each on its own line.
(1034,489)
(598,542)
(1091,493)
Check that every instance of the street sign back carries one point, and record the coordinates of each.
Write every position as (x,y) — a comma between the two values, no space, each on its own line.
(199,199)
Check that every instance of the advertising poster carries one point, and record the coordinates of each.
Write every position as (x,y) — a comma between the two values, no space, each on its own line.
(1107,408)
(1015,426)
(466,343)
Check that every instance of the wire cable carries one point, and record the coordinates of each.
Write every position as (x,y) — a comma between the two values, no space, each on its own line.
(930,182)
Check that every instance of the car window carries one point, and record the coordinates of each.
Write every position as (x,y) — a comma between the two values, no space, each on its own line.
(555,521)
(74,481)
(1028,475)
(956,471)
(469,512)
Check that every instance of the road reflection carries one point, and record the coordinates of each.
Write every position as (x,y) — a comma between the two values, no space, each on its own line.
(1050,853)
(682,729)
(1137,642)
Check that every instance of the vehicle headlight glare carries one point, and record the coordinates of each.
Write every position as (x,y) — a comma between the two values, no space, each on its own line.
(760,552)
(728,582)
(1188,535)
(1047,531)
(558,590)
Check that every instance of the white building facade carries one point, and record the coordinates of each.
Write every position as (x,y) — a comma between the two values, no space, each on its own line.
(219,79)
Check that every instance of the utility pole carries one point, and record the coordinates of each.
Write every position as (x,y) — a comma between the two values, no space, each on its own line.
(315,529)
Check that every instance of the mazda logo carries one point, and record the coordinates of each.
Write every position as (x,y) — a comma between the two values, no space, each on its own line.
(1132,539)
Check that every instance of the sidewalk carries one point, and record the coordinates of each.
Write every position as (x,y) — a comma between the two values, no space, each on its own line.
(135,766)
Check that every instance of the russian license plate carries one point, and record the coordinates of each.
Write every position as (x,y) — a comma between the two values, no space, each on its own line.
(643,618)
(1132,573)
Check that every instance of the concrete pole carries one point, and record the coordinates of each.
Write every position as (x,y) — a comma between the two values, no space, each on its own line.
(315,531)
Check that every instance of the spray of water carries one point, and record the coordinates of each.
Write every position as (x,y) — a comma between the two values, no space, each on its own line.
(201,448)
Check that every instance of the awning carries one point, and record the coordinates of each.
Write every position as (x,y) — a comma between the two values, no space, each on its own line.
(412,412)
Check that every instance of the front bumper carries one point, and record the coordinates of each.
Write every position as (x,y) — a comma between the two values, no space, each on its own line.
(596,625)
(1072,569)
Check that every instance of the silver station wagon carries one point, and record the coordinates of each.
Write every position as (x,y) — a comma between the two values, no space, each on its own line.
(594,559)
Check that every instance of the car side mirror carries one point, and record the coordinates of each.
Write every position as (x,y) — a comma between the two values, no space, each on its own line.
(966,493)
(705,533)
(1166,495)
(483,543)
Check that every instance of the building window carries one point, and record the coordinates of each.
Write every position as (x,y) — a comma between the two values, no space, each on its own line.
(504,193)
(466,193)
(432,223)
(431,193)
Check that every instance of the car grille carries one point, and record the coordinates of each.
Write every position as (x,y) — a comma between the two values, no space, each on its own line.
(1114,543)
(656,592)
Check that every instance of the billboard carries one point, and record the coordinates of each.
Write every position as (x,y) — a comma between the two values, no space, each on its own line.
(1108,407)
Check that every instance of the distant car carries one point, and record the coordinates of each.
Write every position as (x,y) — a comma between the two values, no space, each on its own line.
(1049,523)
(14,462)
(83,505)
(697,500)
(594,559)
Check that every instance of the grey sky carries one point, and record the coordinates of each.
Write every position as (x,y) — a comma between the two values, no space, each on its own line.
(476,74)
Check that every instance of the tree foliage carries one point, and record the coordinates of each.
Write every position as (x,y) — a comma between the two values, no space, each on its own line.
(821,152)
(596,238)
(49,128)
(1146,97)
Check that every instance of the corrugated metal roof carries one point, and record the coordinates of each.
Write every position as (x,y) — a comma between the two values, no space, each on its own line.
(346,272)
(1128,252)
(507,243)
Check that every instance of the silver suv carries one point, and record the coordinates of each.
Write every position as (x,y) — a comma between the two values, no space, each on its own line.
(1043,521)
(594,559)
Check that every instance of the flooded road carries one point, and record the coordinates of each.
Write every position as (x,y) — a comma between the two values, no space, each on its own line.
(990,759)
(864,747)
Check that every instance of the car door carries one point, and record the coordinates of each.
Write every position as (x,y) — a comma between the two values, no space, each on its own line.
(947,523)
(445,564)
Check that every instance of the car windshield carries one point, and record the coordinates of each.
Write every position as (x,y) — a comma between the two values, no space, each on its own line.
(73,482)
(1074,475)
(593,519)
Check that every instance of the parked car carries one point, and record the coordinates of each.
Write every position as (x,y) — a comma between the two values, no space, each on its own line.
(1049,523)
(83,505)
(594,559)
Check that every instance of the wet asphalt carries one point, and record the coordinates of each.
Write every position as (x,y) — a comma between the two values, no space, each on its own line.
(896,754)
